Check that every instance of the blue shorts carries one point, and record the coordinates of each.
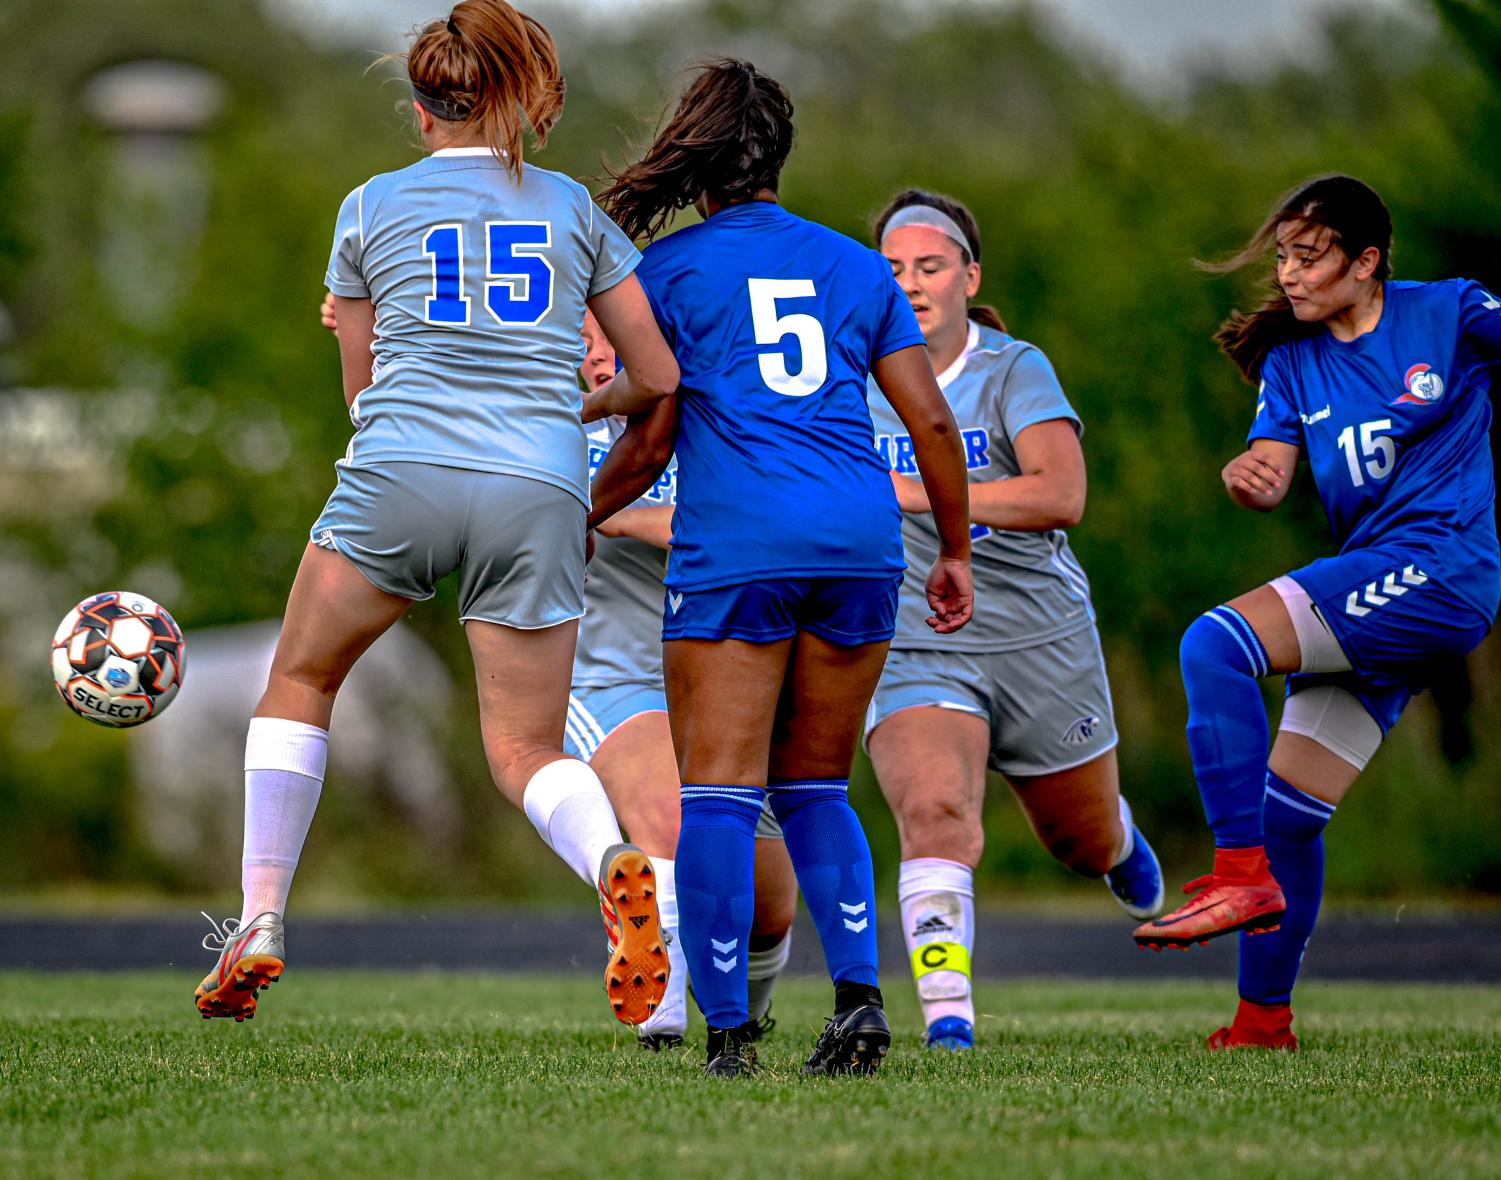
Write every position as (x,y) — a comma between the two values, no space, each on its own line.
(845,611)
(1392,620)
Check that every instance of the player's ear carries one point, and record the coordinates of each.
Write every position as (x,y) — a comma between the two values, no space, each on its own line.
(1366,264)
(972,280)
(425,120)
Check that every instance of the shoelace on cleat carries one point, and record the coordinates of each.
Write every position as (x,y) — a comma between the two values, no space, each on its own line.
(1198,883)
(222,933)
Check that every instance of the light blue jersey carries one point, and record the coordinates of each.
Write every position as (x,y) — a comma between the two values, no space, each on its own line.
(479,281)
(1033,588)
(620,638)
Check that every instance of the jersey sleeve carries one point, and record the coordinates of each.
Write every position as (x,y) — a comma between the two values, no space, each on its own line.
(897,326)
(344,277)
(1480,322)
(1277,416)
(615,255)
(1031,394)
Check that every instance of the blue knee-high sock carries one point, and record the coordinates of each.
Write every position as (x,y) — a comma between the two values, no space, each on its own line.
(1222,659)
(832,859)
(1295,846)
(716,886)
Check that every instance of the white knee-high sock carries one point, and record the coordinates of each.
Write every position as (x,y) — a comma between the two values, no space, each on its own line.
(284,766)
(938,920)
(762,970)
(567,805)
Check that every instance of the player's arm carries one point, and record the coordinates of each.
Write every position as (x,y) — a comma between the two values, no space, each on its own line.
(906,378)
(648,370)
(651,523)
(1258,478)
(635,462)
(356,332)
(1048,494)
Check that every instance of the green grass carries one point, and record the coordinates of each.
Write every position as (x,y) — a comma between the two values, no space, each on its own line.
(524,1076)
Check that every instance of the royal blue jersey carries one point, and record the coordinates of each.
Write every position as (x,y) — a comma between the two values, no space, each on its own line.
(1395,425)
(776,322)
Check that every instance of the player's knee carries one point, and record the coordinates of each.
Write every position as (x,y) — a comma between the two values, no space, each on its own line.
(1090,854)
(1218,641)
(772,920)
(939,825)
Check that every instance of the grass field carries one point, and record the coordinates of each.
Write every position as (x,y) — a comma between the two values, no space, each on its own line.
(497,1076)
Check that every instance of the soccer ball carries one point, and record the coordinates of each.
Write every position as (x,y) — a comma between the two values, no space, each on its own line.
(117,658)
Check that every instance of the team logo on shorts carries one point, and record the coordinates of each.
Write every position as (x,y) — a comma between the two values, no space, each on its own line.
(1080,732)
(1424,387)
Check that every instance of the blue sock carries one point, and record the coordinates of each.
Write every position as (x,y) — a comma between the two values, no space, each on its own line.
(832,858)
(716,886)
(1295,845)
(1222,659)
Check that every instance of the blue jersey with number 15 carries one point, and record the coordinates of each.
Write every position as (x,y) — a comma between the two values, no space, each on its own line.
(776,322)
(479,279)
(1396,426)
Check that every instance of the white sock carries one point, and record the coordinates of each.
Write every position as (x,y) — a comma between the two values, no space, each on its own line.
(763,969)
(284,765)
(672,1015)
(567,805)
(938,920)
(1128,837)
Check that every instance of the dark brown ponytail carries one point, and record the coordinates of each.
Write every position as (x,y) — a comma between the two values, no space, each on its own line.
(1356,219)
(492,70)
(729,137)
(980,313)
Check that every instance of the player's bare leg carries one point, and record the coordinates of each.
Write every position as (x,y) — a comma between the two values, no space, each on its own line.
(334,614)
(522,678)
(771,928)
(1081,818)
(931,765)
(818,723)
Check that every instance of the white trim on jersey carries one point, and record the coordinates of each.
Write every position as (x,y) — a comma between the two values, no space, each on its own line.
(466,151)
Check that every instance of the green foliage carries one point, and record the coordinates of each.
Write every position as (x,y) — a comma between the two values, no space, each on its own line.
(1093,199)
(345,1074)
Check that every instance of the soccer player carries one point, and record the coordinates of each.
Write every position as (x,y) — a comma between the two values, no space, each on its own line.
(786,550)
(617,722)
(1022,691)
(1385,385)
(460,284)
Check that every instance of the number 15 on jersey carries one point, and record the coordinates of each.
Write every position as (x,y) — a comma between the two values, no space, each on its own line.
(518,287)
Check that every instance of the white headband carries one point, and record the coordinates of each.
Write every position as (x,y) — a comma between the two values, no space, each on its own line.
(930,217)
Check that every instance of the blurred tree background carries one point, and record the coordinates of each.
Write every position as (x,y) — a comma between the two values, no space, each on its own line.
(170,410)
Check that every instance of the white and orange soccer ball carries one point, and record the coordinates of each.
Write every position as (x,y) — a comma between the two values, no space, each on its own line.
(117,658)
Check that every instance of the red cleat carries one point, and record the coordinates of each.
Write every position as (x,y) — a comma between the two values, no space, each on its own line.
(1241,894)
(1256,1026)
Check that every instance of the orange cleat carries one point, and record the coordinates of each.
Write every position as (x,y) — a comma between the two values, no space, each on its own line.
(1241,894)
(251,957)
(1256,1026)
(638,969)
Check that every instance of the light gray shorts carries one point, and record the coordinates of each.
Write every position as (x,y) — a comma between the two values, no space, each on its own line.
(517,543)
(1048,706)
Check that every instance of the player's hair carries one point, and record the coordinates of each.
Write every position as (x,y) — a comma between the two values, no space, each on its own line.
(981,313)
(489,69)
(1356,219)
(729,137)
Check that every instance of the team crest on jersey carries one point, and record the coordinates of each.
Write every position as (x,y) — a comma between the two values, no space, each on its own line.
(1424,387)
(1080,731)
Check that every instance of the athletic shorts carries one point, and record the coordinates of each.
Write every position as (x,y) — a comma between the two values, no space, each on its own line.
(595,713)
(517,543)
(1048,706)
(1393,622)
(845,611)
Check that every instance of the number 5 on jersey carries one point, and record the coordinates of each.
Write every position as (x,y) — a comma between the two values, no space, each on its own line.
(518,287)
(771,328)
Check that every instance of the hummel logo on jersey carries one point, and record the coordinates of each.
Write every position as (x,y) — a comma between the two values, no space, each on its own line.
(1424,386)
(1377,594)
(674,600)
(932,924)
(640,920)
(1080,731)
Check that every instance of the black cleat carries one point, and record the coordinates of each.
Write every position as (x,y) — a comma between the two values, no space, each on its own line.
(730,1054)
(757,1030)
(855,1041)
(659,1042)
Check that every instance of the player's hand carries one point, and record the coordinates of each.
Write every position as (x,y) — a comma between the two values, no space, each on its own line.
(951,594)
(911,496)
(326,313)
(1253,474)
